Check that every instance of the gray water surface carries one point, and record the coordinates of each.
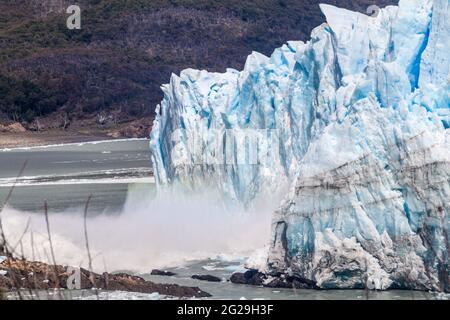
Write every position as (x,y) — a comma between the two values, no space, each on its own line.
(66,175)
(75,159)
(227,290)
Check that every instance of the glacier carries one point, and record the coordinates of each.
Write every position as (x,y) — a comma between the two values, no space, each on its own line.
(351,129)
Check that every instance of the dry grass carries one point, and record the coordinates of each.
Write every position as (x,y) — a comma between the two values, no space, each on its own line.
(15,259)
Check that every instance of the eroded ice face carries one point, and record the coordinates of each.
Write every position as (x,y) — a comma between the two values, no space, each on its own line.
(362,113)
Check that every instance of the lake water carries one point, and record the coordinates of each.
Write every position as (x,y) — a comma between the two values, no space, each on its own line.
(65,175)
(112,171)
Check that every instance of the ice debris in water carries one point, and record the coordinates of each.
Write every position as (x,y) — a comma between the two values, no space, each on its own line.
(123,295)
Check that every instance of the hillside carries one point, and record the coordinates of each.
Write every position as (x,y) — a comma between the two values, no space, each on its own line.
(110,72)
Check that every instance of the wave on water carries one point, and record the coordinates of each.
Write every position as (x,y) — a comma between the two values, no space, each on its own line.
(122,176)
(74,144)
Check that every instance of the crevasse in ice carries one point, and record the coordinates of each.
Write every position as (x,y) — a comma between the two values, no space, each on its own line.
(356,128)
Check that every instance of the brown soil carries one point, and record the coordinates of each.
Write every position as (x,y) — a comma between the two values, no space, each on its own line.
(40,276)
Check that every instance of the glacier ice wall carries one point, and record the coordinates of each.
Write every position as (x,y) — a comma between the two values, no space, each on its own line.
(356,130)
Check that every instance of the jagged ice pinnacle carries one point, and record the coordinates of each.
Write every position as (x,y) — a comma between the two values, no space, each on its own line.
(355,130)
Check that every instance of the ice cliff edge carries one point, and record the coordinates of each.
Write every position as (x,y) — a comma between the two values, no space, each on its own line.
(355,123)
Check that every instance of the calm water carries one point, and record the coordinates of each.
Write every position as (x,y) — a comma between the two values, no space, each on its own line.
(66,175)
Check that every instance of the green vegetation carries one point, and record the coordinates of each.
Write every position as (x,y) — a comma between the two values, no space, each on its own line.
(24,100)
(128,48)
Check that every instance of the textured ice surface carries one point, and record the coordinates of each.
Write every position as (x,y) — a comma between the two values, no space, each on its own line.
(123,295)
(357,120)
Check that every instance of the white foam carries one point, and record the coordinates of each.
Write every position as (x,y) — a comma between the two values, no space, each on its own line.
(258,259)
(116,176)
(150,233)
(79,144)
(123,295)
(83,181)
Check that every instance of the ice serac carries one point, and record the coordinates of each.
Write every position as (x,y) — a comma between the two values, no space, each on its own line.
(358,123)
(435,64)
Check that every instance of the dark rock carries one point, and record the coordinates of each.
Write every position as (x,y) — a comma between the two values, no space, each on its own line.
(301,283)
(278,283)
(206,277)
(238,278)
(156,272)
(251,277)
(290,282)
(256,278)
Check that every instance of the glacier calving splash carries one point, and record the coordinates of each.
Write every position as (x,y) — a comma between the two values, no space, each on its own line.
(360,115)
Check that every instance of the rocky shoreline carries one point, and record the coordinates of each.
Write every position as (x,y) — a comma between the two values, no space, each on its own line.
(33,276)
(15,135)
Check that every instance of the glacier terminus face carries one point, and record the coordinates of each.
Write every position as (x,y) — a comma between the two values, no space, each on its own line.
(351,128)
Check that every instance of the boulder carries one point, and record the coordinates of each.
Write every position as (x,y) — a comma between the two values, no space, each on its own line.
(156,272)
(41,276)
(251,277)
(206,277)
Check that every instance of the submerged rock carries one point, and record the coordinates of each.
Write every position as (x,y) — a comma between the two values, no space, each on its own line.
(354,122)
(206,277)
